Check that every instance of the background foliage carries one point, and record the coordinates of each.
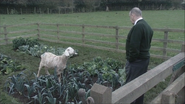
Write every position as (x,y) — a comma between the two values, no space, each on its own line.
(85,5)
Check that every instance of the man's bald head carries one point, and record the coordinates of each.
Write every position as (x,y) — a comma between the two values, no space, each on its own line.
(136,11)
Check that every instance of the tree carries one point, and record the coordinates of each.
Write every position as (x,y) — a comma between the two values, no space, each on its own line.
(67,3)
(91,4)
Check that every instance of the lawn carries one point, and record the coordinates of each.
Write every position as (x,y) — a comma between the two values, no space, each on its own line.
(157,19)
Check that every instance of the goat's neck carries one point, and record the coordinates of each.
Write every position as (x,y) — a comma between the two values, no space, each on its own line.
(64,59)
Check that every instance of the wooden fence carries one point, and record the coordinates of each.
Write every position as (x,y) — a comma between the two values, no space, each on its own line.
(111,38)
(173,94)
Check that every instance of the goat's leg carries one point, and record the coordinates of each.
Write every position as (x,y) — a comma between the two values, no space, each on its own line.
(38,73)
(47,72)
(59,77)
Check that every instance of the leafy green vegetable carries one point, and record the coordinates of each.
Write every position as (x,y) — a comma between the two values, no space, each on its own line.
(7,65)
(18,42)
(47,89)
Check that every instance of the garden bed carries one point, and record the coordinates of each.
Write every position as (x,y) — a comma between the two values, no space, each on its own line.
(46,89)
(86,55)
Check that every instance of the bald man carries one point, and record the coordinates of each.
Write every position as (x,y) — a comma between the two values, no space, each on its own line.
(137,48)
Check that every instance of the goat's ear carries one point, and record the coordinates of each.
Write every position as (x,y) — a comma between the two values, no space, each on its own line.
(66,53)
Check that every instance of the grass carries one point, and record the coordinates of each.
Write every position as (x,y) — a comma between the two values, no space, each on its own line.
(157,19)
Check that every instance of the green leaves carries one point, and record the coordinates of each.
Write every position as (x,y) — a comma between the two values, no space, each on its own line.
(47,90)
(107,68)
(30,90)
(7,65)
(37,50)
(32,47)
(16,83)
(17,42)
(122,75)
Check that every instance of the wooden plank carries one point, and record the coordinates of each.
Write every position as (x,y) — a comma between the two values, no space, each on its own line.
(160,56)
(176,74)
(145,82)
(180,98)
(20,25)
(6,43)
(76,25)
(169,30)
(23,31)
(24,36)
(126,28)
(63,37)
(73,38)
(183,47)
(168,98)
(167,49)
(169,40)
(2,33)
(76,32)
(101,94)
(175,87)
(86,45)
(98,26)
(61,31)
(100,35)
(99,41)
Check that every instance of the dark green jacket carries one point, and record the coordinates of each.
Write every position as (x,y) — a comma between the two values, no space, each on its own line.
(138,41)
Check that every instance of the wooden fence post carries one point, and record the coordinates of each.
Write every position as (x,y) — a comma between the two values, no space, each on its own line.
(101,94)
(168,98)
(117,39)
(183,47)
(57,32)
(83,35)
(38,31)
(165,44)
(5,33)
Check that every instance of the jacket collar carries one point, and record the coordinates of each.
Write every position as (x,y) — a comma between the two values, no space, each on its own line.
(138,20)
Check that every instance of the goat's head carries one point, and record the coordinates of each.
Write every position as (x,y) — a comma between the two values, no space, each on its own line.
(70,52)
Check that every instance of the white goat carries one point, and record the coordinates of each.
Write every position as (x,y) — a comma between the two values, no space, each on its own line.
(49,60)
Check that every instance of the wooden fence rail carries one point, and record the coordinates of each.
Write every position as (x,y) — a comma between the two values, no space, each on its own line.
(134,89)
(112,41)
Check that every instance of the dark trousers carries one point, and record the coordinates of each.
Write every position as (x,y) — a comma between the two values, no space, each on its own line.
(133,70)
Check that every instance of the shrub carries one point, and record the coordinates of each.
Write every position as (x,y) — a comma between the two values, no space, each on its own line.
(18,42)
(31,42)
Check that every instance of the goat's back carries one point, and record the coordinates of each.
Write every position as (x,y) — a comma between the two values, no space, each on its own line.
(50,60)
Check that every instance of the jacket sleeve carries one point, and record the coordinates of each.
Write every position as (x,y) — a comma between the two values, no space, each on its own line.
(135,40)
